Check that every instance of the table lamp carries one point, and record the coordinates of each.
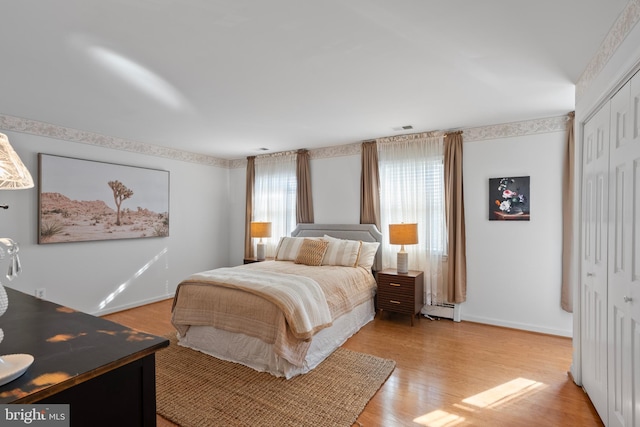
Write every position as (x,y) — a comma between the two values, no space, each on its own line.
(13,176)
(260,229)
(403,234)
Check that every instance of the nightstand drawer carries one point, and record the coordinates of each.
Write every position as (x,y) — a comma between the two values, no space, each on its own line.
(396,279)
(395,287)
(396,304)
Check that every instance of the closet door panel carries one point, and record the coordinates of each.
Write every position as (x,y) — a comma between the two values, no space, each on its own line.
(593,278)
(623,258)
(633,292)
(619,264)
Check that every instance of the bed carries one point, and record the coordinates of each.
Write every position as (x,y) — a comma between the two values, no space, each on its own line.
(284,316)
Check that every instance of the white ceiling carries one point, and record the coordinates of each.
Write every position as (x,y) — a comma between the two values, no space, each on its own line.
(227,77)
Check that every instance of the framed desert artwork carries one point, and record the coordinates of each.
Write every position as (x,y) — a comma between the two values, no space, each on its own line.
(509,198)
(84,200)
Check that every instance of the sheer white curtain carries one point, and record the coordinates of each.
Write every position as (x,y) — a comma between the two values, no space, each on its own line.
(412,191)
(274,196)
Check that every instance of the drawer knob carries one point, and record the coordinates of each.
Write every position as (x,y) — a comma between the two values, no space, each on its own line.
(394,301)
(395,284)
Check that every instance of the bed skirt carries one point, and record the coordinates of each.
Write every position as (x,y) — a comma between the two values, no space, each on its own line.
(258,355)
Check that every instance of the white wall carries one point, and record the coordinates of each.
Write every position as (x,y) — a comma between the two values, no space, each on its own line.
(237,206)
(514,268)
(83,275)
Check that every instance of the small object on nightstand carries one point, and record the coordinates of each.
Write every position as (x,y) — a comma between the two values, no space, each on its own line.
(401,292)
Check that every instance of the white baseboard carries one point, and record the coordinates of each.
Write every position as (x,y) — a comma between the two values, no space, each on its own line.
(111,310)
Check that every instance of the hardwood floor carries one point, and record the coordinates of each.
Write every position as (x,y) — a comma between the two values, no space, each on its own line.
(450,374)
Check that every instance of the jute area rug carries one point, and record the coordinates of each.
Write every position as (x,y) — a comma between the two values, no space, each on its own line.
(194,389)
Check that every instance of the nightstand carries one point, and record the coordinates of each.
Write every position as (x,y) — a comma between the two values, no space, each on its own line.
(401,293)
(254,259)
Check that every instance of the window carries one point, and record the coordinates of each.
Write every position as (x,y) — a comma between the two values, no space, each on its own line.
(274,196)
(412,190)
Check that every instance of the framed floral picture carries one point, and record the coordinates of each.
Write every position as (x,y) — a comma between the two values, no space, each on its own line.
(84,200)
(509,199)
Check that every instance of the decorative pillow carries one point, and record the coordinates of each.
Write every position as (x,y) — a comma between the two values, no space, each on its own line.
(311,252)
(288,248)
(341,252)
(368,252)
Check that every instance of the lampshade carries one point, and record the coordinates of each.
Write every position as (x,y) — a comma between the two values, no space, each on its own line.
(260,229)
(403,234)
(13,173)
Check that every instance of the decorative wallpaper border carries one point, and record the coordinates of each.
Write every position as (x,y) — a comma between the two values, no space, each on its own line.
(33,127)
(621,28)
(15,124)
(509,130)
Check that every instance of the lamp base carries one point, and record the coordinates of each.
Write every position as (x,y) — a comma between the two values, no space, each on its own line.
(260,249)
(403,263)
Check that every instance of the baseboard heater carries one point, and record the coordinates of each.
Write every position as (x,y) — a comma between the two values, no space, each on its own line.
(443,310)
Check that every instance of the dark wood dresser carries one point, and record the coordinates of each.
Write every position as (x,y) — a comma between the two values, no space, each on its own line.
(103,370)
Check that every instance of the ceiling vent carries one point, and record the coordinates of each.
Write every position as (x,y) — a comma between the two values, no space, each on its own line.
(400,128)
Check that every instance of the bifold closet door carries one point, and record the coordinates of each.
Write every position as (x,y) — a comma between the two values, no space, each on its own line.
(624,258)
(593,272)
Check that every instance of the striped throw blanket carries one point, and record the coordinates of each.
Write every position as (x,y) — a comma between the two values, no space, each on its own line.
(300,298)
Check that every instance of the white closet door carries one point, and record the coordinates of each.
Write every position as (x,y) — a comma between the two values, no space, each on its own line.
(633,296)
(593,280)
(624,259)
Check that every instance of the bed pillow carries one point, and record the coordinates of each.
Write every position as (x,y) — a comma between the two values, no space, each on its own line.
(368,252)
(312,252)
(288,248)
(341,252)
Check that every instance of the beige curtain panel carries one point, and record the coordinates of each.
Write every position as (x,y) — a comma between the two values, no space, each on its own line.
(566,293)
(304,199)
(454,211)
(370,185)
(248,215)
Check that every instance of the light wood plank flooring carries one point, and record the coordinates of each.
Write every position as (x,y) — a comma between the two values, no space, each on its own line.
(449,374)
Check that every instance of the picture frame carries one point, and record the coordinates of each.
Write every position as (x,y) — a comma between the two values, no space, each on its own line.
(509,199)
(89,200)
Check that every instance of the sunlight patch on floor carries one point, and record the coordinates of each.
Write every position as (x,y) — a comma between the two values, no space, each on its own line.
(503,393)
(488,399)
(439,418)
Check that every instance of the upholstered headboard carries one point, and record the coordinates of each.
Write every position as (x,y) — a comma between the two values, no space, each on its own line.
(364,232)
